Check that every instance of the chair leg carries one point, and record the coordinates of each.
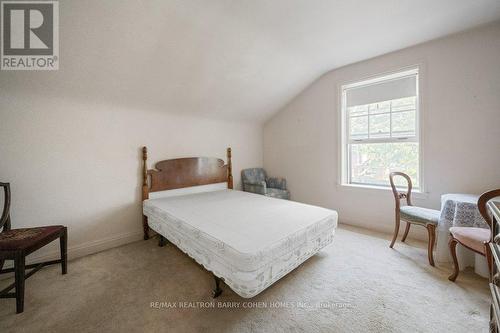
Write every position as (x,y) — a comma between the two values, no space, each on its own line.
(453,251)
(406,232)
(19,267)
(431,230)
(396,231)
(63,244)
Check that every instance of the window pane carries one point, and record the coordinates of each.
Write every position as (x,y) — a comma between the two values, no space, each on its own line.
(359,127)
(404,104)
(359,110)
(403,124)
(371,163)
(380,112)
(380,126)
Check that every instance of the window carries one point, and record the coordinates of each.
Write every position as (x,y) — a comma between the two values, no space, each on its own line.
(380,130)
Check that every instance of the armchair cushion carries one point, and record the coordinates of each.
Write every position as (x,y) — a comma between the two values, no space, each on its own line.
(419,215)
(276,182)
(255,187)
(473,238)
(277,193)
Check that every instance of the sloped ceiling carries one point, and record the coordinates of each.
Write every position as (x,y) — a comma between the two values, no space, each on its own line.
(234,59)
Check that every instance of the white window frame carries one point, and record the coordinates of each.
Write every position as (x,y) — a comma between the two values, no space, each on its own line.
(344,168)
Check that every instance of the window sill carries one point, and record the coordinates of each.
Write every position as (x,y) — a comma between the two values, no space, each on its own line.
(372,188)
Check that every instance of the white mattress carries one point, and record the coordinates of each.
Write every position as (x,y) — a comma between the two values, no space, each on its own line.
(249,240)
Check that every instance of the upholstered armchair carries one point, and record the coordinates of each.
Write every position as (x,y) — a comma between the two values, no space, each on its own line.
(255,180)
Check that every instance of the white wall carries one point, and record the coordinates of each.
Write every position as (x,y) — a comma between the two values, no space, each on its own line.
(78,163)
(461,133)
(130,75)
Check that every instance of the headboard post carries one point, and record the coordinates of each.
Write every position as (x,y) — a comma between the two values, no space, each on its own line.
(229,170)
(145,190)
(183,172)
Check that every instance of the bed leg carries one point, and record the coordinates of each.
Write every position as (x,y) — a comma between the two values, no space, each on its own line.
(145,227)
(217,291)
(162,241)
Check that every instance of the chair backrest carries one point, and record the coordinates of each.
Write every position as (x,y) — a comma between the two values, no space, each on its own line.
(253,175)
(483,200)
(5,219)
(398,195)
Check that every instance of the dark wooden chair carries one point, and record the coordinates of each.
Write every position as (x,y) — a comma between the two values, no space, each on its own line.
(16,244)
(472,238)
(428,218)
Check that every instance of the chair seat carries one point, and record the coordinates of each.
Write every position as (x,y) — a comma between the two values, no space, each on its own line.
(419,215)
(473,238)
(277,193)
(28,238)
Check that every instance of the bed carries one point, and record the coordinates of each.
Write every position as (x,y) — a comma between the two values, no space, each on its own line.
(247,240)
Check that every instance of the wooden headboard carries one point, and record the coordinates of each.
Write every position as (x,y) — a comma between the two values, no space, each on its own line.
(183,172)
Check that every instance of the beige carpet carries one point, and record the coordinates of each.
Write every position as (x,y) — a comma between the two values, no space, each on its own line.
(356,284)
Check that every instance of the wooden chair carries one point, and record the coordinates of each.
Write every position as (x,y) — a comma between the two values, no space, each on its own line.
(16,244)
(474,239)
(413,215)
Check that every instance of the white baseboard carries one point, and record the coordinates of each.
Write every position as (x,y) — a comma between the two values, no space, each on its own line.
(85,249)
(419,234)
